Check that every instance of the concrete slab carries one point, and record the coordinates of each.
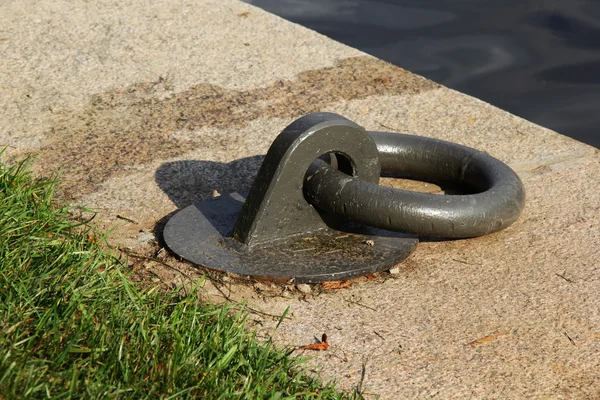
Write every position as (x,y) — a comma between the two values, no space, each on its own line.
(145,107)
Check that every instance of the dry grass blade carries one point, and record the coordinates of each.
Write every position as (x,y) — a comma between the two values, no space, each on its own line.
(486,339)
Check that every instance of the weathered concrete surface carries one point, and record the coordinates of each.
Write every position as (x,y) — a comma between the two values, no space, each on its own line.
(145,107)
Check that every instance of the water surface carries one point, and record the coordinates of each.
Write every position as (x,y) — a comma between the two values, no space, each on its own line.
(537,59)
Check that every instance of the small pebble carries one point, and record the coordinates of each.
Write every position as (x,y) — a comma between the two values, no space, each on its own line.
(145,236)
(369,242)
(395,270)
(304,288)
(261,287)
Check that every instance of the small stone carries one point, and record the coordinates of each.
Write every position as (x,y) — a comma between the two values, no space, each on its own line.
(145,236)
(161,253)
(261,287)
(215,193)
(370,242)
(395,270)
(304,288)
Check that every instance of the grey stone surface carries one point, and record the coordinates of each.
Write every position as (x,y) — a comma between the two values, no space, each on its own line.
(304,288)
(145,107)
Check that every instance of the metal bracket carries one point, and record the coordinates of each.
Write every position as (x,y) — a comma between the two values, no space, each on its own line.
(274,233)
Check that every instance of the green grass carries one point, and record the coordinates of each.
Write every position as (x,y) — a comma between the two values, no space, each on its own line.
(73,326)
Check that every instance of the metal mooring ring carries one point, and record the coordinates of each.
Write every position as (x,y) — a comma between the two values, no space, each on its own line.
(499,200)
(301,226)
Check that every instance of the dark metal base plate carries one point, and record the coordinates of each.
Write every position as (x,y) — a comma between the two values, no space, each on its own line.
(201,233)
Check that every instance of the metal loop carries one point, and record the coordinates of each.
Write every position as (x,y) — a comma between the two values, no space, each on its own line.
(498,203)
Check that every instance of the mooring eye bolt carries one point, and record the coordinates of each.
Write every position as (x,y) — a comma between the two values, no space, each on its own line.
(286,201)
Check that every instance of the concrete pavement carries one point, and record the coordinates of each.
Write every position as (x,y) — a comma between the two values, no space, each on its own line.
(145,107)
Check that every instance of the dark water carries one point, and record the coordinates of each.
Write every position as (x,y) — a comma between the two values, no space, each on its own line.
(539,59)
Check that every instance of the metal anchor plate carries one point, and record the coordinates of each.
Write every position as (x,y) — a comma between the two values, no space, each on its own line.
(274,233)
(201,233)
